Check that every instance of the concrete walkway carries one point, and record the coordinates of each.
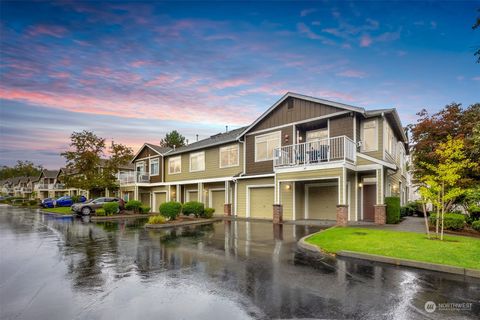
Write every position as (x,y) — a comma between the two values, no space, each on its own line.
(410,224)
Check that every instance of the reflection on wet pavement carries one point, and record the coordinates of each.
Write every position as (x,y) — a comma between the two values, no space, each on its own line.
(68,268)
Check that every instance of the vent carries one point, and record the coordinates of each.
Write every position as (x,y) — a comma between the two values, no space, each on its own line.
(290,104)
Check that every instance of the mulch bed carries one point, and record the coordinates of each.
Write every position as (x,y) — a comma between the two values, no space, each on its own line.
(467,232)
(123,215)
(182,221)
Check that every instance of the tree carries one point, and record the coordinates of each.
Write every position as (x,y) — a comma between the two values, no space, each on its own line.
(441,187)
(432,130)
(475,26)
(87,167)
(173,139)
(21,169)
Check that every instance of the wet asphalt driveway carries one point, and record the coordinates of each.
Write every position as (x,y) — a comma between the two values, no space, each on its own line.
(72,269)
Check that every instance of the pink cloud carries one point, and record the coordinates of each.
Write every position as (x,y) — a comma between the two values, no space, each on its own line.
(352,74)
(365,41)
(54,31)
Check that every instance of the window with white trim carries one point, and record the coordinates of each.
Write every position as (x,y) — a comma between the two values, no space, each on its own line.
(197,161)
(391,141)
(369,135)
(154,167)
(175,165)
(265,145)
(229,156)
(140,166)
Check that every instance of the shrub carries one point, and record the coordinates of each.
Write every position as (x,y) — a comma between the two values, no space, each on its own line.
(159,219)
(76,199)
(476,225)
(451,221)
(133,205)
(111,208)
(144,209)
(33,203)
(393,209)
(170,209)
(100,212)
(195,207)
(208,213)
(474,212)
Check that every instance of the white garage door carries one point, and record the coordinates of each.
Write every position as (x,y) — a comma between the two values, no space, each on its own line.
(261,202)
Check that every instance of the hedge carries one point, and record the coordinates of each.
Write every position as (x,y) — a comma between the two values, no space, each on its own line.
(170,209)
(208,213)
(393,209)
(133,205)
(476,225)
(451,221)
(111,208)
(158,219)
(144,209)
(193,207)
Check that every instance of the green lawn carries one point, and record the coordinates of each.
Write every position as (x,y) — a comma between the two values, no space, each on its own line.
(453,250)
(59,210)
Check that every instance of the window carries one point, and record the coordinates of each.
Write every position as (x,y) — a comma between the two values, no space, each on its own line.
(317,134)
(175,165)
(197,161)
(369,135)
(154,167)
(229,156)
(265,145)
(391,141)
(140,166)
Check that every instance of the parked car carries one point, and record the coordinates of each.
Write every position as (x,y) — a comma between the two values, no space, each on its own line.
(48,203)
(88,207)
(67,201)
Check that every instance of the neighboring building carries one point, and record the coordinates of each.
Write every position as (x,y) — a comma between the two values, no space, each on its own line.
(312,158)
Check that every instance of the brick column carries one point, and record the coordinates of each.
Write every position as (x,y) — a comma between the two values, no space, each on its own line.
(380,214)
(277,213)
(227,209)
(342,215)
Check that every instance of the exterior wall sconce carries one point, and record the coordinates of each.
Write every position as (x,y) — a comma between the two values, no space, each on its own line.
(360,185)
(288,187)
(286,138)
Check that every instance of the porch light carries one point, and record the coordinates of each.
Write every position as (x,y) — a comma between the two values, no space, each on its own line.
(288,187)
(360,185)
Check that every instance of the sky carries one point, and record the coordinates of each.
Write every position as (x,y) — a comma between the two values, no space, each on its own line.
(131,72)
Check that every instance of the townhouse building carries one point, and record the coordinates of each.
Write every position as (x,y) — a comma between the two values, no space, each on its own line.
(303,158)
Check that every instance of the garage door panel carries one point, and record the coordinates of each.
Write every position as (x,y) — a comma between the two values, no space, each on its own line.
(145,199)
(322,202)
(261,201)
(217,201)
(192,196)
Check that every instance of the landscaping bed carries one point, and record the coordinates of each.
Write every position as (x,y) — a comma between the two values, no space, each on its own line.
(58,210)
(121,215)
(182,221)
(455,251)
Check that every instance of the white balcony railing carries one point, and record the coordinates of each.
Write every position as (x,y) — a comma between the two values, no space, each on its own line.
(42,186)
(316,152)
(57,186)
(26,189)
(131,177)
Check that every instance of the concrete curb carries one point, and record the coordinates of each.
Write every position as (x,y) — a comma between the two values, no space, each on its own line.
(181,224)
(411,263)
(122,217)
(305,246)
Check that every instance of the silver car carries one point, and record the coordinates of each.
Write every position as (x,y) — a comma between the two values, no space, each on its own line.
(88,207)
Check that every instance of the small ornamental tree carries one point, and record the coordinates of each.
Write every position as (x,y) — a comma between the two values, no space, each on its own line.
(441,187)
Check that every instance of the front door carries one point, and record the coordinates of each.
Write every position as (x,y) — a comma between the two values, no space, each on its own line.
(369,200)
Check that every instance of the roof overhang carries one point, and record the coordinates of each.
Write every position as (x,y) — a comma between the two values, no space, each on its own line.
(140,150)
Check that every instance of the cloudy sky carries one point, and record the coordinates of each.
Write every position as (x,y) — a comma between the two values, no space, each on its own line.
(133,71)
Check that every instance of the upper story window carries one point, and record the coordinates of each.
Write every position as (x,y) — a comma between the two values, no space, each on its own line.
(369,135)
(197,161)
(175,165)
(265,145)
(229,156)
(140,166)
(391,141)
(154,167)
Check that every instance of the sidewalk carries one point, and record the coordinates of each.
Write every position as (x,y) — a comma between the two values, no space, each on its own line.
(410,224)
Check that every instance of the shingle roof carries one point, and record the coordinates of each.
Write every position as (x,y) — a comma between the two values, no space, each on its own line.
(159,149)
(216,139)
(50,173)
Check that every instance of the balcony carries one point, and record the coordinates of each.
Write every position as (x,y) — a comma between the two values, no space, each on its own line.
(131,177)
(318,152)
(26,189)
(42,186)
